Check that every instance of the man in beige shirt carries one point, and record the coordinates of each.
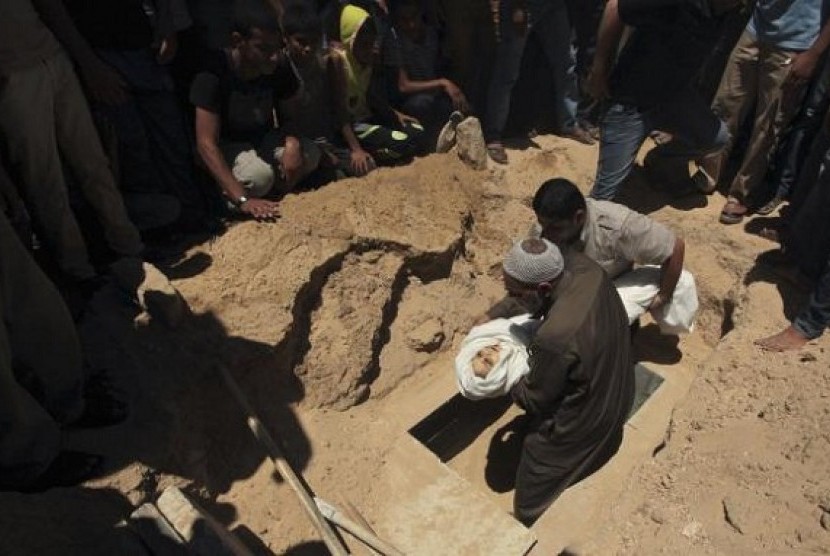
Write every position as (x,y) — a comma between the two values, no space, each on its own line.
(614,236)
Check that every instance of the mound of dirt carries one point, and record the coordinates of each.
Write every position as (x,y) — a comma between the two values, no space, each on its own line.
(366,284)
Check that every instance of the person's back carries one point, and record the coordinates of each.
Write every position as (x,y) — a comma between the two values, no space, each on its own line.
(587,324)
(672,42)
(580,386)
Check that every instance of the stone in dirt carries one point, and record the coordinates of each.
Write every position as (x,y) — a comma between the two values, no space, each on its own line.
(471,146)
(428,336)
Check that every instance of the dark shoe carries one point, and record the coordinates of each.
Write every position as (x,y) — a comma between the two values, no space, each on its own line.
(497,153)
(103,407)
(770,207)
(69,468)
(578,134)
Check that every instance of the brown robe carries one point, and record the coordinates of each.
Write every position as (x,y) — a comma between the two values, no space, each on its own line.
(579,389)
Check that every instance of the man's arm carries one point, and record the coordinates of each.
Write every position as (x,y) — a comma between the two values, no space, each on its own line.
(540,391)
(207,134)
(409,86)
(669,275)
(643,240)
(608,39)
(104,84)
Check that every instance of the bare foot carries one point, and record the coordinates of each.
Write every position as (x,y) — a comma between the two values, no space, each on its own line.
(786,340)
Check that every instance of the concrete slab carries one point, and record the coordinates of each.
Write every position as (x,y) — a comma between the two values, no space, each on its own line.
(432,510)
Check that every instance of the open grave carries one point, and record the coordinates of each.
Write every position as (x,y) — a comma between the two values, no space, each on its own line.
(341,322)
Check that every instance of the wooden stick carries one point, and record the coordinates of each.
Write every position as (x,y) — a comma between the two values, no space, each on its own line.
(330,538)
(367,537)
(352,511)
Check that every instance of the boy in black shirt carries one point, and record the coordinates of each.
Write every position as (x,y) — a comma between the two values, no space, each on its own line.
(234,97)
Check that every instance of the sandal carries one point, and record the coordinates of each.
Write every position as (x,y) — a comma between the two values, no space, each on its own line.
(733,212)
(497,153)
(770,207)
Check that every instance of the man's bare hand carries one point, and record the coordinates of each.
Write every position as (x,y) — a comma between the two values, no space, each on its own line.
(803,67)
(261,209)
(459,101)
(404,119)
(361,162)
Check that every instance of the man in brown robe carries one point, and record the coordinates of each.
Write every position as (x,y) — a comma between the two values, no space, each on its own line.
(581,382)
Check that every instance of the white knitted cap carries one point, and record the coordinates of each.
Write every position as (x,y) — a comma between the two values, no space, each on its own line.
(533,261)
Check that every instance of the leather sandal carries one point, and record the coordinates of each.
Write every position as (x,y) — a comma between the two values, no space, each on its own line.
(733,212)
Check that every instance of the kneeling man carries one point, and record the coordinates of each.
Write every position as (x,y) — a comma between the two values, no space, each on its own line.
(581,382)
(643,257)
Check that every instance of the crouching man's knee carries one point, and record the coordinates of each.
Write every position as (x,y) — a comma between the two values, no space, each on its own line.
(256,175)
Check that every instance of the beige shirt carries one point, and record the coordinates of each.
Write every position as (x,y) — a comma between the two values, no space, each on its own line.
(617,238)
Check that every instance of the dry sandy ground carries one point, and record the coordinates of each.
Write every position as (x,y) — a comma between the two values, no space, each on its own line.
(357,289)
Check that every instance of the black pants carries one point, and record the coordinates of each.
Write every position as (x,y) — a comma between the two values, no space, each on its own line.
(795,145)
(390,146)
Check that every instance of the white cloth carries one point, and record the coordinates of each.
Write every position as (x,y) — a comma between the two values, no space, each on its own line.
(512,336)
(638,287)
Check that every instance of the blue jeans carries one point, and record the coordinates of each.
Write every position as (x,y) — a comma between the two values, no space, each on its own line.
(815,317)
(554,31)
(553,28)
(695,128)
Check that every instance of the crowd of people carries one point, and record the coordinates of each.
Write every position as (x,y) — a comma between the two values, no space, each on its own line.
(124,121)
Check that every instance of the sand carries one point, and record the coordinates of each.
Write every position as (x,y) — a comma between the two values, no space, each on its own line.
(359,289)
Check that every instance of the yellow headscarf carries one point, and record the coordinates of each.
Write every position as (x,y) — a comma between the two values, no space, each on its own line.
(358,77)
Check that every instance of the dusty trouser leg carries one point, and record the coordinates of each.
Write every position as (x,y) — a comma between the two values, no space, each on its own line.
(256,175)
(80,145)
(624,128)
(27,135)
(504,76)
(37,333)
(776,105)
(554,30)
(155,100)
(733,101)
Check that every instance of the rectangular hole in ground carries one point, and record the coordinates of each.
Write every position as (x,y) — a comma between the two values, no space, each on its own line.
(480,441)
